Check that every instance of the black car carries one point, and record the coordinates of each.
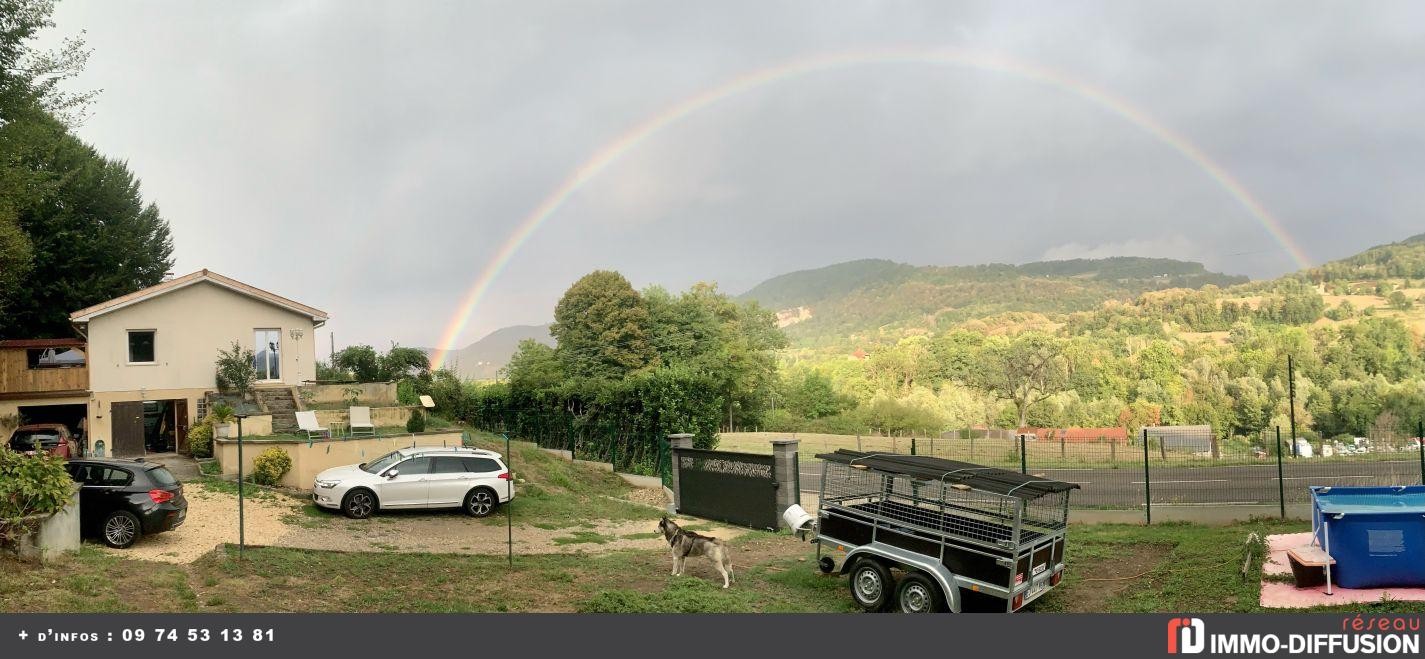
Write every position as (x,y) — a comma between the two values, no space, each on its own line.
(121,500)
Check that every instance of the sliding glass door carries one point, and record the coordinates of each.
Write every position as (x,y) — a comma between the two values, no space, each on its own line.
(267,354)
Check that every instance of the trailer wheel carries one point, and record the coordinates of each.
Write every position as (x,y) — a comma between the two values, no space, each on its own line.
(919,593)
(826,564)
(871,584)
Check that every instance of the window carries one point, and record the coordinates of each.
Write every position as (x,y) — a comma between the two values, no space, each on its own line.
(100,476)
(141,346)
(54,358)
(162,477)
(34,440)
(480,465)
(448,465)
(414,467)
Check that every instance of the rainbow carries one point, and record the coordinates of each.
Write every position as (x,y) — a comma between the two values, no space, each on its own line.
(635,136)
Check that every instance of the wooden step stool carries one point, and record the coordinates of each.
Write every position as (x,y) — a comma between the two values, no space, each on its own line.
(1308,566)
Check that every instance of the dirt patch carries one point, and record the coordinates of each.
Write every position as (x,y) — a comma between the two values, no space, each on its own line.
(1094,582)
(454,533)
(212,520)
(648,496)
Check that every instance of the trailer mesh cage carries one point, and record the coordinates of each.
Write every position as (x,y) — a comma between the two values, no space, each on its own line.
(980,504)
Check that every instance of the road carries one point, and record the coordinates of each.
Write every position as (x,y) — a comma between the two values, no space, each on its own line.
(1206,485)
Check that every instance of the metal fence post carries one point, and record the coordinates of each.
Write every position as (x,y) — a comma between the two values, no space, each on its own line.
(1420,435)
(1023,459)
(912,445)
(1281,482)
(1291,398)
(1147,483)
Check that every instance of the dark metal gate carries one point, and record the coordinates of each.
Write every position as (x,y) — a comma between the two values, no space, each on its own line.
(738,488)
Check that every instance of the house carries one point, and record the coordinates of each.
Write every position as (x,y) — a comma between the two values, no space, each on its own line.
(43,381)
(151,356)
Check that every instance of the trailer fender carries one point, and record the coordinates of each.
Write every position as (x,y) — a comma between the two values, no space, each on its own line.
(949,585)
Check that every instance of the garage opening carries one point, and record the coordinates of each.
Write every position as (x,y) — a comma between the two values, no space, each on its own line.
(72,416)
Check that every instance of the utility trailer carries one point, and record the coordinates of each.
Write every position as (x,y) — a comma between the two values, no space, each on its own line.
(963,537)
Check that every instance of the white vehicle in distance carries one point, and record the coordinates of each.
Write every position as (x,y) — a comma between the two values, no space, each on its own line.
(473,480)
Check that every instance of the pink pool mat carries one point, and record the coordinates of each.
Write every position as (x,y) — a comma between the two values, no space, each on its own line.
(1277,595)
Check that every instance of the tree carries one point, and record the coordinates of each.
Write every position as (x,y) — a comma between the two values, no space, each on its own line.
(361,361)
(1023,370)
(400,362)
(235,370)
(1400,302)
(601,326)
(534,367)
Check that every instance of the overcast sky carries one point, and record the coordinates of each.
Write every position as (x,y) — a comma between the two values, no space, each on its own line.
(370,158)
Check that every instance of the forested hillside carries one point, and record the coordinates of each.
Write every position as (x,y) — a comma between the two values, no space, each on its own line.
(871,298)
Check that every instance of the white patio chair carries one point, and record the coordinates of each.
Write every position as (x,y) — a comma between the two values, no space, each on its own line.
(307,422)
(361,421)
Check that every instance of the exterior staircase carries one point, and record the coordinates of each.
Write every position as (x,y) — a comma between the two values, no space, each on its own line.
(278,402)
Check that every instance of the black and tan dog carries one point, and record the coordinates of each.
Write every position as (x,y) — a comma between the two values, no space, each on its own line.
(687,543)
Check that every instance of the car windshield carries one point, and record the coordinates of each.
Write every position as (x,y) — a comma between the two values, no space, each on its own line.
(162,477)
(380,464)
(33,440)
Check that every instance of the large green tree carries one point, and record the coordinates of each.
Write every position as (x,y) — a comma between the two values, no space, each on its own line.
(74,229)
(601,326)
(1023,369)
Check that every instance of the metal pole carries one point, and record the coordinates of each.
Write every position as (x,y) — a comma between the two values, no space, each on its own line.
(1420,435)
(1281,482)
(242,539)
(510,502)
(912,445)
(1147,484)
(1291,395)
(1023,460)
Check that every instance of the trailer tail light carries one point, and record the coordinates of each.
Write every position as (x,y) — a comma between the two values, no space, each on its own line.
(506,476)
(1018,601)
(160,496)
(1054,580)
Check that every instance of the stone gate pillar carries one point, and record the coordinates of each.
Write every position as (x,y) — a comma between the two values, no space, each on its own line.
(786,467)
(676,441)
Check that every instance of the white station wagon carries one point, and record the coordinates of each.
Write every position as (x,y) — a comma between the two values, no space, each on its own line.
(473,480)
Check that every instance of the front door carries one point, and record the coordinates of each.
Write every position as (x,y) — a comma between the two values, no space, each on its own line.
(180,425)
(267,354)
(126,419)
(409,487)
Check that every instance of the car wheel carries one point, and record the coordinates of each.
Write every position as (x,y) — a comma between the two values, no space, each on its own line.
(480,502)
(121,529)
(358,504)
(871,584)
(919,593)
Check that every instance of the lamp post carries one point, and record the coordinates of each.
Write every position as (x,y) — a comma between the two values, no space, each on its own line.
(241,539)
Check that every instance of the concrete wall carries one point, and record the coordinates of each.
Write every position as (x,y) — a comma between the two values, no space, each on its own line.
(380,416)
(57,534)
(372,394)
(311,458)
(190,325)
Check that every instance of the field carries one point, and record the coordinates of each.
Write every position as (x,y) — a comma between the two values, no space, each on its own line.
(1111,568)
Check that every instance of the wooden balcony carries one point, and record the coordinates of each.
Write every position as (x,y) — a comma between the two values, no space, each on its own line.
(43,368)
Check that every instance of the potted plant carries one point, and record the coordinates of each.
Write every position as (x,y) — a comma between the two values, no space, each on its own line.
(222,417)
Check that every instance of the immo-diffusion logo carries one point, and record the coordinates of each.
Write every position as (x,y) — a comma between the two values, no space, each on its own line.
(1359,635)
(1186,636)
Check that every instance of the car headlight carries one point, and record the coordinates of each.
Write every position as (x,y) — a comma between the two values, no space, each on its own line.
(327,485)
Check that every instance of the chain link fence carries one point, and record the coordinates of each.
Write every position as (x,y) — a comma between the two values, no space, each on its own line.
(1172,465)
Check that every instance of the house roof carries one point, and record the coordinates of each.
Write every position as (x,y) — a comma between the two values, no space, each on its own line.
(42,343)
(204,275)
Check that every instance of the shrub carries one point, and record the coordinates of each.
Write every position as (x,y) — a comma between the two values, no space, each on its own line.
(406,392)
(235,372)
(270,466)
(30,485)
(417,422)
(200,439)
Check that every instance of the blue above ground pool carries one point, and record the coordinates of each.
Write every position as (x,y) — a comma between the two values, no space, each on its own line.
(1376,534)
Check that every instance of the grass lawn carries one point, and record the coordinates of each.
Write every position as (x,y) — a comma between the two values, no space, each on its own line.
(1113,568)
